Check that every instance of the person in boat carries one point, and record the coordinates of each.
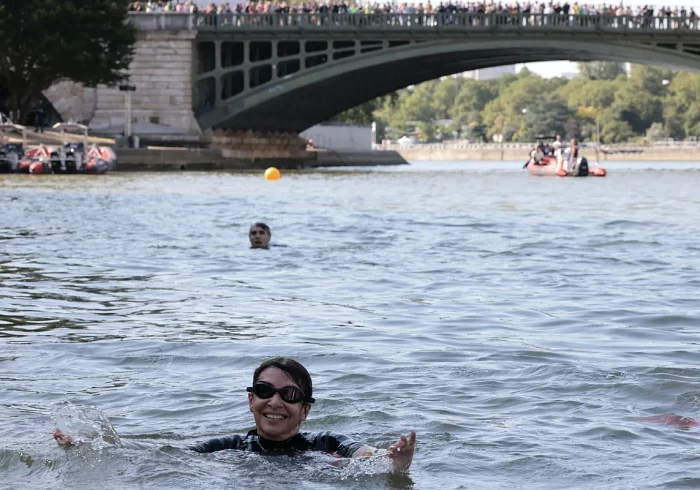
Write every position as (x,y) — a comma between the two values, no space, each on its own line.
(280,400)
(259,235)
(556,148)
(537,154)
(571,155)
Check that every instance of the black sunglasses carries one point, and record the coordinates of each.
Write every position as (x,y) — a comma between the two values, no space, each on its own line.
(289,394)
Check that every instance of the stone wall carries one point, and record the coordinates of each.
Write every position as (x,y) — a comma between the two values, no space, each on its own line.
(251,145)
(72,101)
(337,136)
(162,103)
(514,154)
(162,73)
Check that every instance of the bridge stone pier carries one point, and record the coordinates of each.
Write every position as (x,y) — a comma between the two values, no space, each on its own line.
(161,71)
(287,72)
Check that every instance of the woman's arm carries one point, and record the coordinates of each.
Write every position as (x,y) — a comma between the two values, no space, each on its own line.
(400,453)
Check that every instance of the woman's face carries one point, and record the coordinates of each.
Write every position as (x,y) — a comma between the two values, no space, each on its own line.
(276,419)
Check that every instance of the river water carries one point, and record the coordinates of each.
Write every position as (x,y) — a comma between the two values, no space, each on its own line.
(523,326)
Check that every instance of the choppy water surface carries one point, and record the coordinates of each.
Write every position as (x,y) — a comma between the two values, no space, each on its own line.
(522,326)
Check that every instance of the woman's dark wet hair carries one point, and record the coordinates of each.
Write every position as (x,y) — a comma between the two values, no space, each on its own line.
(267,230)
(295,370)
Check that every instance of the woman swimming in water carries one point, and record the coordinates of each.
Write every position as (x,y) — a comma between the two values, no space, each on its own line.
(280,399)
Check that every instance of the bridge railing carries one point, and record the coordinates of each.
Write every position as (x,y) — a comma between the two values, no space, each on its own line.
(413,22)
(451,21)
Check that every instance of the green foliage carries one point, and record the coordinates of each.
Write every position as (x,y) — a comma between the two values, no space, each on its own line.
(600,100)
(655,132)
(443,97)
(549,117)
(683,105)
(470,101)
(582,95)
(427,131)
(45,41)
(506,114)
(616,131)
(601,70)
(364,113)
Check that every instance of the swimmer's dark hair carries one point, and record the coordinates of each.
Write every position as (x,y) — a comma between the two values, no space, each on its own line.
(295,370)
(264,227)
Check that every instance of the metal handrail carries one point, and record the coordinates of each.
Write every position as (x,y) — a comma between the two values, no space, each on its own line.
(415,22)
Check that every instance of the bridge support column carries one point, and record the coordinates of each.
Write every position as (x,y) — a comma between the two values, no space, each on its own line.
(162,73)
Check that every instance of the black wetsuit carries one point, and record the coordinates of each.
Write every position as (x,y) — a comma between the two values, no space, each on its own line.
(327,442)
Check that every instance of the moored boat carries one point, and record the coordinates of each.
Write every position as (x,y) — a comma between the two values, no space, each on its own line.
(73,158)
(11,154)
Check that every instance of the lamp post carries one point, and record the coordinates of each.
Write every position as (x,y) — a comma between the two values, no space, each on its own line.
(666,83)
(127,89)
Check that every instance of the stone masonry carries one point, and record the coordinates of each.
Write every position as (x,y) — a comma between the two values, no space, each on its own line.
(73,101)
(250,145)
(161,71)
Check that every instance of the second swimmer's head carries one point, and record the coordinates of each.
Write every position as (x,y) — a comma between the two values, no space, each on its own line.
(259,235)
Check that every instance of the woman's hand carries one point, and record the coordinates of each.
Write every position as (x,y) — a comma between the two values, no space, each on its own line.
(401,453)
(61,438)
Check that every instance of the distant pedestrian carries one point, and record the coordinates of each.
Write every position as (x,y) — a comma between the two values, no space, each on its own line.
(40,118)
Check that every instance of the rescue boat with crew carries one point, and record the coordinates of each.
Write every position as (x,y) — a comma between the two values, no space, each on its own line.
(569,167)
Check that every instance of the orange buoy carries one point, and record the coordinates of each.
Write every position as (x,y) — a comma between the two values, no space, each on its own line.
(272,174)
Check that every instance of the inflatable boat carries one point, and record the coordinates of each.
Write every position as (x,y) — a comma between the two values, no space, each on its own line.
(75,158)
(547,166)
(11,154)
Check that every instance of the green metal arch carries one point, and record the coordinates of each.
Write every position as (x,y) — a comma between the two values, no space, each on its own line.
(300,101)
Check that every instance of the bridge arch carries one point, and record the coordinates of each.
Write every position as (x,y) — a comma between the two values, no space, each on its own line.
(287,72)
(294,103)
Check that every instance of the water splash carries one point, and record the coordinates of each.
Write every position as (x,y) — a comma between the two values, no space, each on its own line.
(86,424)
(358,468)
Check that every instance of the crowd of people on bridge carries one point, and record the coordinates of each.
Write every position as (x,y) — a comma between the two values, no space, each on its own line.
(324,7)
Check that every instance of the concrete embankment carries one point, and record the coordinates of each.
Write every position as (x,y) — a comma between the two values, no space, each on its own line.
(517,154)
(169,159)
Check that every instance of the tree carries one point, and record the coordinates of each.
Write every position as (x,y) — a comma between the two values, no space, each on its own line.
(548,118)
(471,99)
(46,41)
(650,78)
(601,70)
(655,132)
(444,97)
(504,115)
(427,131)
(683,98)
(365,112)
(636,105)
(616,131)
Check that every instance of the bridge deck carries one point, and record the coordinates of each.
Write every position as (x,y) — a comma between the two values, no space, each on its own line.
(407,23)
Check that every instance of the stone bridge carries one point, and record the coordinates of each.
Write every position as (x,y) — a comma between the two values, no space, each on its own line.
(287,72)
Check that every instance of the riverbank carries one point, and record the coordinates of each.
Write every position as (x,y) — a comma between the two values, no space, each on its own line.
(244,151)
(688,153)
(173,159)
